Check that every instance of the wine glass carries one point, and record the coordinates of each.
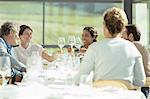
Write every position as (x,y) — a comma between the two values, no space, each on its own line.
(61,43)
(5,67)
(71,41)
(78,43)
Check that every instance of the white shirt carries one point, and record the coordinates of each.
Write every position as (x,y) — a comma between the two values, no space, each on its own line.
(113,59)
(22,54)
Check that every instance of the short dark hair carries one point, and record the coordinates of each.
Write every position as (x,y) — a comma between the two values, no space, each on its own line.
(92,32)
(131,28)
(22,28)
(5,28)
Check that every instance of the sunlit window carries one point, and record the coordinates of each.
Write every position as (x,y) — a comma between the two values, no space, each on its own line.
(29,13)
(141,19)
(50,20)
(64,19)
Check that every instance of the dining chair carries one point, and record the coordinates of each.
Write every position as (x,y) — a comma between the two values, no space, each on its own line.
(115,83)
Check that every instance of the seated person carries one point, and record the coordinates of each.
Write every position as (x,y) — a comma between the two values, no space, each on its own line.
(25,48)
(132,34)
(99,57)
(8,38)
(89,36)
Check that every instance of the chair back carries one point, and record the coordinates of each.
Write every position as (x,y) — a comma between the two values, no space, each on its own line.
(147,84)
(115,83)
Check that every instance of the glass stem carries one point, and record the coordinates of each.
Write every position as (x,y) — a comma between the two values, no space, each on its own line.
(61,50)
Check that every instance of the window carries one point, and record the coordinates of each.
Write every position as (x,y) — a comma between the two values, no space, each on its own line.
(66,18)
(141,19)
(29,13)
(49,20)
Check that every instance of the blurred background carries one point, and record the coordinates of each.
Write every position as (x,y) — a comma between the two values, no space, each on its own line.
(51,19)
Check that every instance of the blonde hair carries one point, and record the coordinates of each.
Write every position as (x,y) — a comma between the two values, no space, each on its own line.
(115,20)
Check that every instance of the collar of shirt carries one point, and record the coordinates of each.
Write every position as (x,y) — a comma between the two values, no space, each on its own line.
(27,50)
(9,47)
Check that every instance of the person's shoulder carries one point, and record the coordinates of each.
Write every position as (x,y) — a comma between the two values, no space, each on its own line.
(127,42)
(35,45)
(139,44)
(94,44)
(1,40)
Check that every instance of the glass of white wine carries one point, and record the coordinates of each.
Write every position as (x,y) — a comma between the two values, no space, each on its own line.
(78,43)
(71,41)
(61,43)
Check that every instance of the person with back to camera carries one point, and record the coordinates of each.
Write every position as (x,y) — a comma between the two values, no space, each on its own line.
(132,34)
(99,57)
(8,38)
(25,49)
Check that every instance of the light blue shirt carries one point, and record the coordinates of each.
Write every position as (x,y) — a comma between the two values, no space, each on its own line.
(8,49)
(113,59)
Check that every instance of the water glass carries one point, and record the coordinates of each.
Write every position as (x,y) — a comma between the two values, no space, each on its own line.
(71,41)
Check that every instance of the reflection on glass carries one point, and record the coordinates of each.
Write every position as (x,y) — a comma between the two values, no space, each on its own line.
(71,41)
(61,43)
(78,42)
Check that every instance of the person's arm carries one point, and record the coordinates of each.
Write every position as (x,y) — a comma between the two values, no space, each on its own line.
(145,56)
(146,60)
(139,73)
(87,64)
(16,64)
(46,56)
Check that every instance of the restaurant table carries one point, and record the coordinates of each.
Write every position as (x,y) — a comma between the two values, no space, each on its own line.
(57,83)
(36,90)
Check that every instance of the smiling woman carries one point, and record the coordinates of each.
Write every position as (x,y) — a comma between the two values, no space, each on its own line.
(26,48)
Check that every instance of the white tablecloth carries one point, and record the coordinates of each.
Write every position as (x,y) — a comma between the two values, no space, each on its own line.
(39,91)
(55,83)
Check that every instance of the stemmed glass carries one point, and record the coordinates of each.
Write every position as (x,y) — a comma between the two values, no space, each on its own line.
(78,43)
(71,41)
(5,67)
(61,43)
